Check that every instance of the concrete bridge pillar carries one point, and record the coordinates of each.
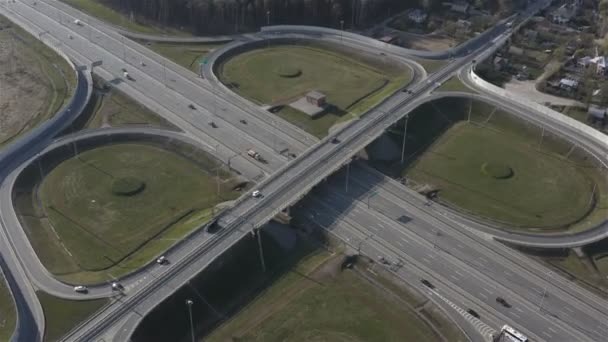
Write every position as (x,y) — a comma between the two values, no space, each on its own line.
(586,260)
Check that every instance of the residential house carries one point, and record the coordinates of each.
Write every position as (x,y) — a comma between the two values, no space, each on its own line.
(568,84)
(458,6)
(418,16)
(564,13)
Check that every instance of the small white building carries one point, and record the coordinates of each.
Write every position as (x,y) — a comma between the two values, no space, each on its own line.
(458,6)
(568,84)
(418,16)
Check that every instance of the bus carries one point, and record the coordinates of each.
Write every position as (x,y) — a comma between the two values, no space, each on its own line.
(510,332)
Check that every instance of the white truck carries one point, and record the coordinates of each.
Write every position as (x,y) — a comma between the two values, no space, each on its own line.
(253,154)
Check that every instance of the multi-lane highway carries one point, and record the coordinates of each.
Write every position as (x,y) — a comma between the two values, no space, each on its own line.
(286,186)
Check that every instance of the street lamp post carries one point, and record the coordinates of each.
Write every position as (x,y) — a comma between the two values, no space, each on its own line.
(347,174)
(404,136)
(189,303)
(268,24)
(544,293)
(341,29)
(257,231)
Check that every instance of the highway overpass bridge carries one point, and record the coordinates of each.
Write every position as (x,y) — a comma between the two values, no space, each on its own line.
(289,184)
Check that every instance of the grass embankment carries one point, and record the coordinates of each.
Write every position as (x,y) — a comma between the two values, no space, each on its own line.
(590,271)
(110,107)
(430,65)
(35,82)
(8,314)
(304,295)
(353,83)
(62,315)
(107,14)
(190,56)
(454,84)
(550,186)
(89,233)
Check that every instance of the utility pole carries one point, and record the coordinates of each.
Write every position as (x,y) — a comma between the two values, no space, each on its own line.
(257,231)
(542,135)
(544,294)
(404,136)
(217,178)
(347,174)
(189,303)
(268,24)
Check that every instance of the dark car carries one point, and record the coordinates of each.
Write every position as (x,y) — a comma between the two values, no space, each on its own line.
(335,140)
(473,313)
(503,302)
(212,124)
(191,106)
(427,284)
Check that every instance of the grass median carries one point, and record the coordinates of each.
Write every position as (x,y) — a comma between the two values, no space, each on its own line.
(488,163)
(279,75)
(35,82)
(61,315)
(188,55)
(8,314)
(114,208)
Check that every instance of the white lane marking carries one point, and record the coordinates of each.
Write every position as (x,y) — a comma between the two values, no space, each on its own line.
(488,291)
(426,260)
(453,277)
(567,308)
(483,295)
(552,330)
(431,256)
(514,314)
(547,334)
(404,240)
(459,245)
(400,244)
(459,273)
(520,310)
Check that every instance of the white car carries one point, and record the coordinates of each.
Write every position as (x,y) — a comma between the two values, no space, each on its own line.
(80,289)
(256,194)
(77,22)
(161,260)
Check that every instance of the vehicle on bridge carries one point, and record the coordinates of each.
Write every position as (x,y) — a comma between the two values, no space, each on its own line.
(516,335)
(81,289)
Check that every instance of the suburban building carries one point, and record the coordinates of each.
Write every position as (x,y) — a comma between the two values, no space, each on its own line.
(418,16)
(458,6)
(313,103)
(568,84)
(316,98)
(600,63)
(563,14)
